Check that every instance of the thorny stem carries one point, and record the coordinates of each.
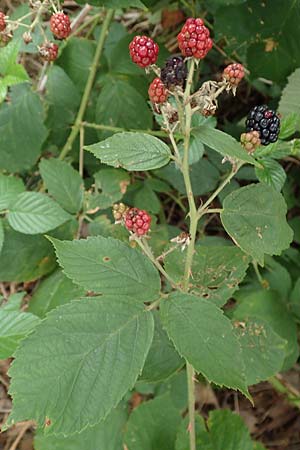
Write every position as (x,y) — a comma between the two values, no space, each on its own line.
(191,247)
(89,85)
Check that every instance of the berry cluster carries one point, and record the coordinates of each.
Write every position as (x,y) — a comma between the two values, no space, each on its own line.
(157,91)
(143,51)
(234,73)
(2,21)
(266,122)
(60,25)
(194,39)
(174,72)
(250,141)
(48,51)
(138,221)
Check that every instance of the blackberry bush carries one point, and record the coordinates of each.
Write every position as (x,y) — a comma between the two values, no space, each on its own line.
(145,253)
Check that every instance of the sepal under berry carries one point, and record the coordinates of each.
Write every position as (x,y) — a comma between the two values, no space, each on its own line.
(143,51)
(60,25)
(194,39)
(137,221)
(157,91)
(266,122)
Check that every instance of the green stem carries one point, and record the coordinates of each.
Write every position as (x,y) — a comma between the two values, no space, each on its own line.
(148,252)
(191,247)
(234,170)
(190,373)
(89,85)
(97,126)
(214,210)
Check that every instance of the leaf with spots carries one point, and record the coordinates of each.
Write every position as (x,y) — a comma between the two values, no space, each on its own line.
(79,363)
(217,271)
(255,218)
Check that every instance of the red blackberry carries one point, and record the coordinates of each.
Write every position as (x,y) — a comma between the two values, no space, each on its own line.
(174,73)
(48,51)
(193,39)
(234,73)
(143,51)
(157,91)
(266,122)
(60,25)
(2,21)
(138,221)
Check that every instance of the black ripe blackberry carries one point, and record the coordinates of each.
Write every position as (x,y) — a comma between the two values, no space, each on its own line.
(266,122)
(174,73)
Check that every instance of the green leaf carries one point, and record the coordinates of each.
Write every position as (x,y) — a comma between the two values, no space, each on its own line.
(66,377)
(12,72)
(10,187)
(110,106)
(295,225)
(217,355)
(263,350)
(224,144)
(14,326)
(145,198)
(24,257)
(53,291)
(295,299)
(228,431)
(271,173)
(254,217)
(107,434)
(34,212)
(288,125)
(182,439)
(153,425)
(67,188)
(268,306)
(111,185)
(217,271)
(1,234)
(263,34)
(22,130)
(290,98)
(14,302)
(132,151)
(107,266)
(204,177)
(63,99)
(76,60)
(162,360)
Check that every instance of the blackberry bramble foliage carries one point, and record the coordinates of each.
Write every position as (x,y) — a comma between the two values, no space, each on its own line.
(174,73)
(143,51)
(2,21)
(157,91)
(60,25)
(194,39)
(138,221)
(266,122)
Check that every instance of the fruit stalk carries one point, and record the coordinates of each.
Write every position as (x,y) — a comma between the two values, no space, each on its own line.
(89,84)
